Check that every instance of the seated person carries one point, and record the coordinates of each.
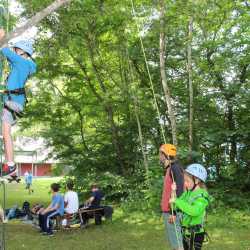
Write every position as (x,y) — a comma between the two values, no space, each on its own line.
(71,203)
(94,202)
(95,199)
(54,209)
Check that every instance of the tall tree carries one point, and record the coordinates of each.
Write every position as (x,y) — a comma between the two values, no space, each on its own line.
(166,89)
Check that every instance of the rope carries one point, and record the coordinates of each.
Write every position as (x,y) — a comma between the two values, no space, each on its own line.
(155,101)
(148,72)
(3,64)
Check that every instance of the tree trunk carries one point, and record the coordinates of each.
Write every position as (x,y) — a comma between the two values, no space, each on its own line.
(232,137)
(33,21)
(109,109)
(166,89)
(190,85)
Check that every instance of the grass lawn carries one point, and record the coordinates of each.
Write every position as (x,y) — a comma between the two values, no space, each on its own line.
(228,229)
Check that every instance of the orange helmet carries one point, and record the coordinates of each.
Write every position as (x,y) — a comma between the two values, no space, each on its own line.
(168,149)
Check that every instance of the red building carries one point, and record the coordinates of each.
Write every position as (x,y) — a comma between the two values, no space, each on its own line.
(28,161)
(37,169)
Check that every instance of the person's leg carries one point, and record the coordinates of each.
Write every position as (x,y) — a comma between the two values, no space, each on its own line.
(173,232)
(49,216)
(198,241)
(8,144)
(9,120)
(84,217)
(41,222)
(68,217)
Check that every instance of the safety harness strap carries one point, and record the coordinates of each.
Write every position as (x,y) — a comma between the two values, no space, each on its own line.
(14,113)
(19,91)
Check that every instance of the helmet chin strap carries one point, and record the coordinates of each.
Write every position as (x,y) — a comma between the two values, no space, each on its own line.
(195,184)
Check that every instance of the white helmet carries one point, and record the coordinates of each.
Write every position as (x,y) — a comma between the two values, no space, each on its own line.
(197,170)
(25,45)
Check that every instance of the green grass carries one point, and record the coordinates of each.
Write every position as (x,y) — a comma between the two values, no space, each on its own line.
(17,194)
(228,229)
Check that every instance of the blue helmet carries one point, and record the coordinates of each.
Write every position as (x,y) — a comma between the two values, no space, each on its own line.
(198,171)
(25,46)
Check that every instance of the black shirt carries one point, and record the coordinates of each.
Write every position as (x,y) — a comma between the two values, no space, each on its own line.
(97,198)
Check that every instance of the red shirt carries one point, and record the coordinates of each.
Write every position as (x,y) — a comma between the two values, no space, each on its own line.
(166,192)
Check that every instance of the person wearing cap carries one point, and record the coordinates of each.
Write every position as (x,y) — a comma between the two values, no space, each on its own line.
(193,203)
(173,173)
(22,67)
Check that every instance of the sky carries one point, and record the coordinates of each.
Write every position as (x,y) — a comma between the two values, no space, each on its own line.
(16,9)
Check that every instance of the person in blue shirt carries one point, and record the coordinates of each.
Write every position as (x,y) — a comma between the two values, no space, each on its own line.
(21,67)
(28,181)
(56,208)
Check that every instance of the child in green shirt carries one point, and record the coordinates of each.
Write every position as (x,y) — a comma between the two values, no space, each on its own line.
(193,203)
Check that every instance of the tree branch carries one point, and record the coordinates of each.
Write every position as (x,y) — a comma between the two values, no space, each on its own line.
(33,21)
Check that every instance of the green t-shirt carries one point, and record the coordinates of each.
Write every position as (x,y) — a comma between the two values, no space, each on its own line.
(193,205)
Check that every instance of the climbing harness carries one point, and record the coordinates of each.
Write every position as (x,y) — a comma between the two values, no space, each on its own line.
(20,91)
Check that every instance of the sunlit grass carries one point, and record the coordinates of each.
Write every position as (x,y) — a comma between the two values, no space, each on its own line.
(229,229)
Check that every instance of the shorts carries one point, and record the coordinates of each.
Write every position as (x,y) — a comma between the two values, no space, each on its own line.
(7,116)
(173,231)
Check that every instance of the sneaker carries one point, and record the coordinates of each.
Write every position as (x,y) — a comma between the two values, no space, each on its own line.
(42,232)
(50,234)
(8,170)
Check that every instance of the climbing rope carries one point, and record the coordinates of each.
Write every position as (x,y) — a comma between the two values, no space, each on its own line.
(4,23)
(156,104)
(148,72)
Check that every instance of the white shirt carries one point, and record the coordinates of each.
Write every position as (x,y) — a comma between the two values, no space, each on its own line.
(71,198)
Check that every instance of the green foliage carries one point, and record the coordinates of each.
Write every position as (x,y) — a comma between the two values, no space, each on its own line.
(115,188)
(92,80)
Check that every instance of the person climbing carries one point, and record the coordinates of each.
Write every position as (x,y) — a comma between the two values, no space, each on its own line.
(22,67)
(173,173)
(193,203)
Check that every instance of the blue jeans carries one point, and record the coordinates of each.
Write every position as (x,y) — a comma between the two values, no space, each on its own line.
(173,231)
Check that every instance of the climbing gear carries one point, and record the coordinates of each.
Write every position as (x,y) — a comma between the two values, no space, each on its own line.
(168,149)
(24,45)
(20,91)
(192,229)
(198,171)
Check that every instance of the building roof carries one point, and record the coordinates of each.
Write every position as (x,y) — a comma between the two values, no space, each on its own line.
(28,150)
